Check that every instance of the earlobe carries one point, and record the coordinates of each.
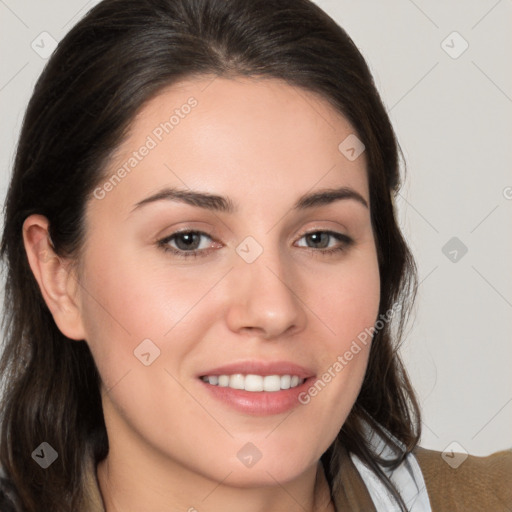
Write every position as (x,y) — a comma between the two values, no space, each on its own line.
(56,281)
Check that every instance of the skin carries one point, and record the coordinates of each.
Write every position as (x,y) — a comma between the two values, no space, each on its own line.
(262,143)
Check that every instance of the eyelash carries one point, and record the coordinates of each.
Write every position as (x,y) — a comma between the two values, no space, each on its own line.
(164,244)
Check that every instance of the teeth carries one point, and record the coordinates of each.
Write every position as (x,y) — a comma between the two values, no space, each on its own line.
(286,382)
(272,383)
(254,383)
(236,381)
(223,381)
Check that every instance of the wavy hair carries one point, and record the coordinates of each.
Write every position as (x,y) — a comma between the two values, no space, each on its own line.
(118,57)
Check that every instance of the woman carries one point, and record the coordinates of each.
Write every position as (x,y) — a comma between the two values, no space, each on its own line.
(206,284)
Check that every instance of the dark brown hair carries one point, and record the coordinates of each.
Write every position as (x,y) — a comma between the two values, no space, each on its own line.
(102,73)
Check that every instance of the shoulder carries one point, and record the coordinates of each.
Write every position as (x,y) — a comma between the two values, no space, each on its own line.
(460,482)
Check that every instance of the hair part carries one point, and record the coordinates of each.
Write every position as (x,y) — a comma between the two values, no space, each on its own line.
(102,73)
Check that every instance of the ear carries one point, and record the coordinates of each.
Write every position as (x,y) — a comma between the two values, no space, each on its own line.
(55,277)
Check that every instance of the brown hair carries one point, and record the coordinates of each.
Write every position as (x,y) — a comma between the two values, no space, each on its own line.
(102,73)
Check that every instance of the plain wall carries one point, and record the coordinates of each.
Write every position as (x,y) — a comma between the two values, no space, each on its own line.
(452,111)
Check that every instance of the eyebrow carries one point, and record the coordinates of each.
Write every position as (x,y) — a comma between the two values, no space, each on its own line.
(223,204)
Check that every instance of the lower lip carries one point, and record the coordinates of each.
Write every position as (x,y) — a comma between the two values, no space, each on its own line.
(261,403)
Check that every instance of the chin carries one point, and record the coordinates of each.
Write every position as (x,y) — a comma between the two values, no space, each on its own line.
(264,476)
(269,469)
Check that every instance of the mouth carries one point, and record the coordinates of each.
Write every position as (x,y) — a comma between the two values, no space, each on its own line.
(257,388)
(254,383)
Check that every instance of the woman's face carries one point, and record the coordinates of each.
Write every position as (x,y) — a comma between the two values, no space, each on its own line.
(258,293)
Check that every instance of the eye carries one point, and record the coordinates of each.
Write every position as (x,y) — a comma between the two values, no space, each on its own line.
(322,239)
(186,243)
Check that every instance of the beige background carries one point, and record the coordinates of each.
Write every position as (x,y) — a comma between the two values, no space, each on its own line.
(452,110)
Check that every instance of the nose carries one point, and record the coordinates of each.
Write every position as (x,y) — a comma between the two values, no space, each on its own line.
(265,297)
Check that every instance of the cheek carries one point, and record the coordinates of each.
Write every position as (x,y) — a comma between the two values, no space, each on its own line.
(129,293)
(127,302)
(351,297)
(348,309)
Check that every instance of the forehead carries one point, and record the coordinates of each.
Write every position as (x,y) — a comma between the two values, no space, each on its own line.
(245,138)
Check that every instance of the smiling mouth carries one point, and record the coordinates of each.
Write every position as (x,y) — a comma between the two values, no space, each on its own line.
(254,383)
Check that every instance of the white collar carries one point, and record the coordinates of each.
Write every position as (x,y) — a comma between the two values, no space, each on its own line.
(407,478)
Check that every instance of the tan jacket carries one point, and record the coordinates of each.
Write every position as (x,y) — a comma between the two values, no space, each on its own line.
(479,484)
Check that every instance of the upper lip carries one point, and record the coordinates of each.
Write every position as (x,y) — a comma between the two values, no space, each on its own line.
(261,368)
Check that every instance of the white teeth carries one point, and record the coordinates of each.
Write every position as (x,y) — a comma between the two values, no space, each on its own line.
(236,381)
(286,382)
(271,383)
(254,383)
(223,381)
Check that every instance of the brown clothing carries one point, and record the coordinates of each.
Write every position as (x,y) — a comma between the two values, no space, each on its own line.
(479,484)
